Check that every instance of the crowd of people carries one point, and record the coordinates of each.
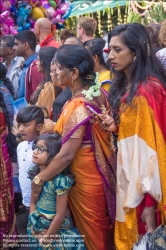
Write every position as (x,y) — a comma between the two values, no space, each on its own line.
(90,144)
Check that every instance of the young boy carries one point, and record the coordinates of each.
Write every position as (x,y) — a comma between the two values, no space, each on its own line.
(30,122)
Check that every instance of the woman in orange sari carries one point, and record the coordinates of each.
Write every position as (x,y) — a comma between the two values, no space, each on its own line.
(138,102)
(8,234)
(87,148)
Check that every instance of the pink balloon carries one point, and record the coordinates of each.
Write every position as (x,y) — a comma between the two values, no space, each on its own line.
(8,24)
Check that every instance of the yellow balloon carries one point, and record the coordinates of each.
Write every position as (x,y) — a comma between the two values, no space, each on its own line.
(37,13)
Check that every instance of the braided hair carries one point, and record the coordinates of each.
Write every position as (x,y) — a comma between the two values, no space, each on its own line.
(5,80)
(10,139)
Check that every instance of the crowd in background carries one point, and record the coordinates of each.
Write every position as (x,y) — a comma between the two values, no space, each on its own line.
(90,144)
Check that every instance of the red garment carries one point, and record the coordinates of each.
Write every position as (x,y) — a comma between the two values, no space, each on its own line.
(32,80)
(148,201)
(49,41)
(8,233)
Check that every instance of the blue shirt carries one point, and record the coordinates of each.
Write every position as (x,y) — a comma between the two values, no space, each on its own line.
(23,74)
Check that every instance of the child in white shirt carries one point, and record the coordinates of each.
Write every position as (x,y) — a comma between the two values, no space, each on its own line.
(30,122)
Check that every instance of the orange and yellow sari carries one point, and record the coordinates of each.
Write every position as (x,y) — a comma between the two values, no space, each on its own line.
(92,198)
(141,164)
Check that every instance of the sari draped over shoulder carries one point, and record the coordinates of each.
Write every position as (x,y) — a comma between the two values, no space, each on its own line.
(46,96)
(92,198)
(141,162)
(8,233)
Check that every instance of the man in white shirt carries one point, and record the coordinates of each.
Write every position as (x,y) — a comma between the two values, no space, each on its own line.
(12,62)
(30,121)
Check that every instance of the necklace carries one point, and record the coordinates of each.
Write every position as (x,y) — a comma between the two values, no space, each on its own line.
(78,91)
(128,87)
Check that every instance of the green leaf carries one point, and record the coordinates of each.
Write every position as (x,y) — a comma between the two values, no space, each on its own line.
(143,4)
(107,10)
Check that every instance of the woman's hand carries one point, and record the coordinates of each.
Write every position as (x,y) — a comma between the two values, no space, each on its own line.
(106,122)
(148,216)
(36,189)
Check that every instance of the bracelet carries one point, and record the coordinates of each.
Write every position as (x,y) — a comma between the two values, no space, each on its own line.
(45,245)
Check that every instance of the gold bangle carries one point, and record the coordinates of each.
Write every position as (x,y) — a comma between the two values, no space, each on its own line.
(45,245)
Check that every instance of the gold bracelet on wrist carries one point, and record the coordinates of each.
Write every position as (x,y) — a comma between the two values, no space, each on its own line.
(45,245)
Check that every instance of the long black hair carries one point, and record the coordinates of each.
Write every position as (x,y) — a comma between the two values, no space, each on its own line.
(10,139)
(96,46)
(136,38)
(46,55)
(5,80)
(75,56)
(53,145)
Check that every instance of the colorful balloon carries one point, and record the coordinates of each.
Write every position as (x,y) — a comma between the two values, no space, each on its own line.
(7,24)
(52,3)
(37,13)
(22,14)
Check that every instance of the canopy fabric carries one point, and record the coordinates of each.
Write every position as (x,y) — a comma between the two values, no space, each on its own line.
(81,7)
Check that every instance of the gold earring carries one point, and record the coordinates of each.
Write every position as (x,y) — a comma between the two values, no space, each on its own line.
(134,58)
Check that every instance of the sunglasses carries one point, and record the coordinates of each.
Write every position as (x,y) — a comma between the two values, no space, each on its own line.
(40,150)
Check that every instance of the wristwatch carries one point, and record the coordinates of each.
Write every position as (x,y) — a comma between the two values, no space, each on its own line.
(38,181)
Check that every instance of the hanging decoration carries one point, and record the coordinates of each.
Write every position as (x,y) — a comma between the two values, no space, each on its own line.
(99,22)
(146,12)
(109,19)
(19,15)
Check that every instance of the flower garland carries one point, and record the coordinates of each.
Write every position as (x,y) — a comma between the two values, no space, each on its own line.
(93,91)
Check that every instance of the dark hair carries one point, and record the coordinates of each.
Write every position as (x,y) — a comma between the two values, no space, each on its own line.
(9,39)
(96,46)
(75,56)
(162,33)
(10,139)
(153,30)
(53,145)
(27,36)
(46,55)
(66,33)
(5,79)
(136,38)
(77,41)
(30,113)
